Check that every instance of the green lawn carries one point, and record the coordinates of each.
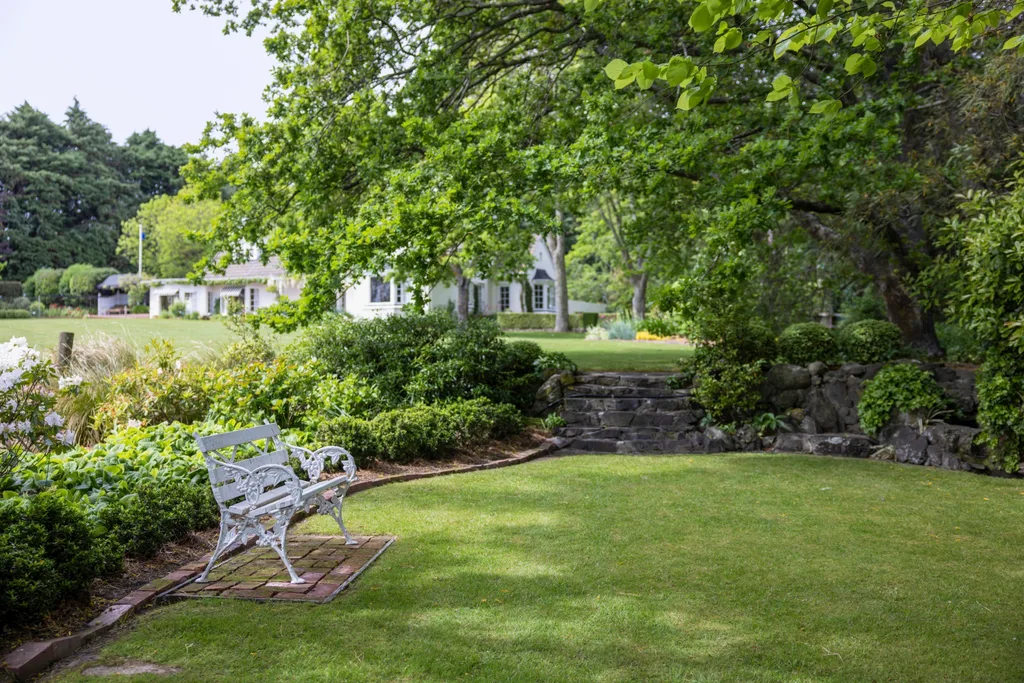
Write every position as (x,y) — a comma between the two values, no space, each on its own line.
(186,334)
(600,568)
(190,334)
(609,355)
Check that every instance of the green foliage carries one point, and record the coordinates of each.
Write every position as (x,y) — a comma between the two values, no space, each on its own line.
(10,289)
(424,358)
(805,343)
(769,423)
(68,187)
(867,305)
(47,555)
(961,345)
(902,388)
(156,513)
(78,283)
(660,326)
(870,341)
(535,321)
(621,329)
(169,250)
(10,313)
(420,431)
(727,390)
(45,284)
(177,309)
(550,361)
(553,421)
(1001,409)
(279,391)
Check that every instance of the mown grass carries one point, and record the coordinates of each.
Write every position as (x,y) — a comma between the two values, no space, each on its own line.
(196,335)
(704,568)
(610,355)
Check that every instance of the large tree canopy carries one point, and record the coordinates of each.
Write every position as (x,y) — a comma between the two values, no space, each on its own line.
(65,189)
(169,222)
(367,89)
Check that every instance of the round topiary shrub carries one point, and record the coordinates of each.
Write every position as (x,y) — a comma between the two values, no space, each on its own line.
(804,343)
(870,341)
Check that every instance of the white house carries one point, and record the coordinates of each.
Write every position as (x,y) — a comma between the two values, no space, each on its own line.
(374,296)
(252,284)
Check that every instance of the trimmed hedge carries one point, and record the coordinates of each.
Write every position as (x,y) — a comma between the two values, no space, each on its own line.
(9,313)
(870,341)
(422,431)
(541,321)
(805,343)
(10,289)
(47,555)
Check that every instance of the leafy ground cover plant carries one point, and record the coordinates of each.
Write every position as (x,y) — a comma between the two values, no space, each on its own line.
(904,387)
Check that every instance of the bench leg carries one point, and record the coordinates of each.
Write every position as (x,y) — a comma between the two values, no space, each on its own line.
(228,535)
(332,507)
(275,538)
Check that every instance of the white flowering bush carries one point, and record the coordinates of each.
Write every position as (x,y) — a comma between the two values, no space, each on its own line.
(28,422)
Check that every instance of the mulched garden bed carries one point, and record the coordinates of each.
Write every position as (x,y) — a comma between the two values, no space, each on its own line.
(74,616)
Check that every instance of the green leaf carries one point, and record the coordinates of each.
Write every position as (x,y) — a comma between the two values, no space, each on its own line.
(762,37)
(824,7)
(733,39)
(867,66)
(591,5)
(614,68)
(852,65)
(678,70)
(782,82)
(650,70)
(776,95)
(923,38)
(828,108)
(1016,41)
(701,19)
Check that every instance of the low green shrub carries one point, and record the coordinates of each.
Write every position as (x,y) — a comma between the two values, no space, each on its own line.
(728,391)
(13,313)
(420,431)
(37,309)
(156,513)
(47,555)
(659,326)
(902,388)
(870,341)
(728,365)
(621,329)
(139,309)
(21,302)
(1000,413)
(805,343)
(10,289)
(553,361)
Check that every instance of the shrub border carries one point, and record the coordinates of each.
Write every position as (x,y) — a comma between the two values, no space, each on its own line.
(32,658)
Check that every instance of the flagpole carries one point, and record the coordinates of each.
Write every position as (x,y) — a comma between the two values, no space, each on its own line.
(140,248)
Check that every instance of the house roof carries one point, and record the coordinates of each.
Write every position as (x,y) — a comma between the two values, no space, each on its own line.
(249,269)
(112,281)
(541,274)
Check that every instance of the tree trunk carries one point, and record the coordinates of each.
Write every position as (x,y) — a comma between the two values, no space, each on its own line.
(462,294)
(639,282)
(556,245)
(916,324)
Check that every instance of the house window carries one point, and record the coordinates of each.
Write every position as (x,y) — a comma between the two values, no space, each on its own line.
(504,298)
(398,292)
(380,290)
(478,299)
(551,297)
(254,298)
(209,303)
(538,297)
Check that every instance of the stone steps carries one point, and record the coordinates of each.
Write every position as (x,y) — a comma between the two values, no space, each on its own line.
(657,380)
(614,391)
(632,418)
(576,404)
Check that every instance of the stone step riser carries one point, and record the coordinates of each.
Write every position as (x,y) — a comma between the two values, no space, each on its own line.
(639,405)
(689,445)
(596,390)
(641,380)
(678,419)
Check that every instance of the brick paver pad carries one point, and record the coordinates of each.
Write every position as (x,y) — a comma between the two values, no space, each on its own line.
(325,562)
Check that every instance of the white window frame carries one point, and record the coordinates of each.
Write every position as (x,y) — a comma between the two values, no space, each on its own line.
(398,292)
(549,296)
(539,296)
(254,299)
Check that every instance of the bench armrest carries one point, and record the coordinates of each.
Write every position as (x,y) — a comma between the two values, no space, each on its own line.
(251,483)
(313,461)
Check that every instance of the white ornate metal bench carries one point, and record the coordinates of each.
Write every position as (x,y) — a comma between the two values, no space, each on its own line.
(263,485)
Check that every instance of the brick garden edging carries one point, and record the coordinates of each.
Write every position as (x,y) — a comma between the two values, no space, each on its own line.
(31,659)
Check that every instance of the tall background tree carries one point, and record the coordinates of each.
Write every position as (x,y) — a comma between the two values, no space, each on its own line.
(169,249)
(66,188)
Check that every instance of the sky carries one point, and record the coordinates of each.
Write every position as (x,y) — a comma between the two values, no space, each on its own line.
(133,64)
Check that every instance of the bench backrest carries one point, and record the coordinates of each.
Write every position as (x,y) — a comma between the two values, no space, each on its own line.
(225,447)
